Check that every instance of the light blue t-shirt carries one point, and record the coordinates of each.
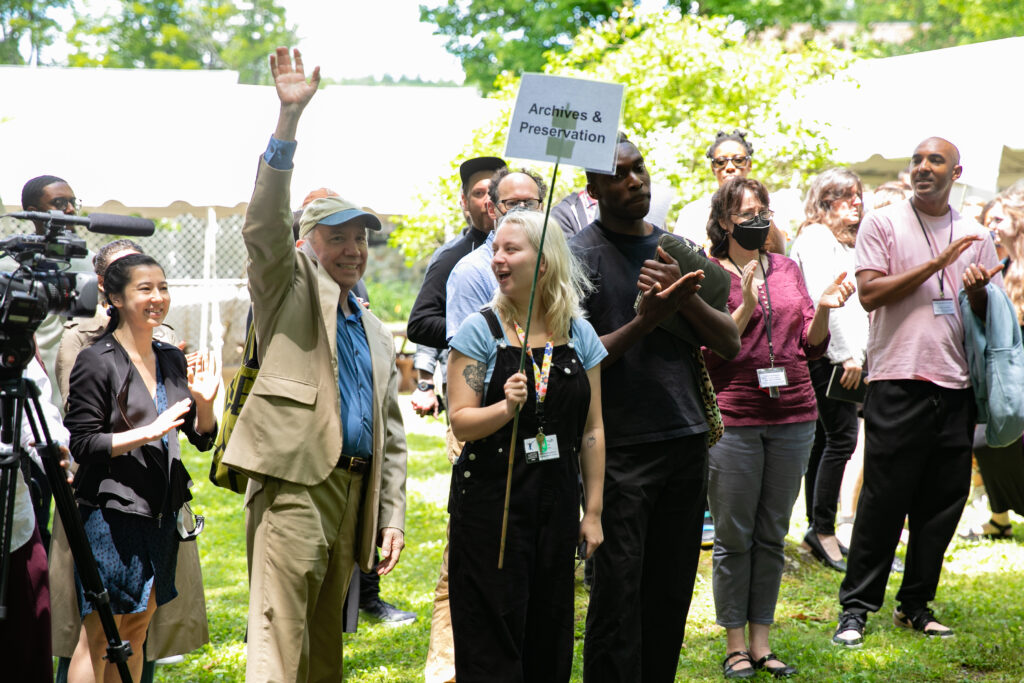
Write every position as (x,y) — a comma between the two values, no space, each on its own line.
(471,285)
(474,339)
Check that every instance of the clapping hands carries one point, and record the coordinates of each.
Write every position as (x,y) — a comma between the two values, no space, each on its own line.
(836,294)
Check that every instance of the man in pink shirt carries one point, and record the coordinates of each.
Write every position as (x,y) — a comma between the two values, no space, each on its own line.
(919,413)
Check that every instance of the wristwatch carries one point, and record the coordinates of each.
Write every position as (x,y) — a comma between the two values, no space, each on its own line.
(423,385)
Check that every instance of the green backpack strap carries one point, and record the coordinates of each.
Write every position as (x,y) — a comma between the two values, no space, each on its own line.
(220,474)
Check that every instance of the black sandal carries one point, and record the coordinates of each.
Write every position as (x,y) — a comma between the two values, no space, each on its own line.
(1002,531)
(919,621)
(740,656)
(784,671)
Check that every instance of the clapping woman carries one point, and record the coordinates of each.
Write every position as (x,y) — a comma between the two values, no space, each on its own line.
(768,409)
(825,244)
(516,624)
(128,396)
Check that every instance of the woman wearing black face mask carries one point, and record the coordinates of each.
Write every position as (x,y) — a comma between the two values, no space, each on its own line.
(768,407)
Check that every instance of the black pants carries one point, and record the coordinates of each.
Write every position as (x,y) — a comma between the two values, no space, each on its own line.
(917,467)
(654,498)
(834,442)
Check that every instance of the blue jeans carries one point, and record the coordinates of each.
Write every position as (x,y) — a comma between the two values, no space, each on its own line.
(754,478)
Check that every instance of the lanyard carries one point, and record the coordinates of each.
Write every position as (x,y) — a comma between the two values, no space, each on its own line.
(765,311)
(931,250)
(541,373)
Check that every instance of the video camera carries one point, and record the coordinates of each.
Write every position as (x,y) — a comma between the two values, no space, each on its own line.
(41,285)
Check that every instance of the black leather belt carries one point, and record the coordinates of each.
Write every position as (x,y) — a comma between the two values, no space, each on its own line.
(354,465)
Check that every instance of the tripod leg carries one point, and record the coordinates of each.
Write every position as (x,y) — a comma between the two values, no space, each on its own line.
(118,650)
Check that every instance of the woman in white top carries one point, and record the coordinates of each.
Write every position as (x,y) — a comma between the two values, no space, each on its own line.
(823,246)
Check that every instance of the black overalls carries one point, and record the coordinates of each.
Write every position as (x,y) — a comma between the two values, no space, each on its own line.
(516,623)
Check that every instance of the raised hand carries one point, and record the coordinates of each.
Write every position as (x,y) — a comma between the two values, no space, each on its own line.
(167,420)
(836,294)
(290,79)
(952,252)
(747,286)
(203,377)
(976,276)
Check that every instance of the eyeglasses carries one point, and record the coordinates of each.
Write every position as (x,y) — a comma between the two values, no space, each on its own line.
(765,215)
(739,161)
(529,204)
(62,203)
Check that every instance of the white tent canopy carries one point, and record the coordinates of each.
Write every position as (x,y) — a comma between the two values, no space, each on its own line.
(158,142)
(150,138)
(967,94)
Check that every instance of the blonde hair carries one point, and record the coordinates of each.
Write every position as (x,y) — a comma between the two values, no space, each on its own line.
(563,284)
(1012,199)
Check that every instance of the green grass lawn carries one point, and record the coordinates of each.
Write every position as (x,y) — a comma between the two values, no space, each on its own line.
(981,595)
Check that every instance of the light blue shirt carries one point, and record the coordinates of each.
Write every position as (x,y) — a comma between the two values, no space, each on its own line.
(470,287)
(476,341)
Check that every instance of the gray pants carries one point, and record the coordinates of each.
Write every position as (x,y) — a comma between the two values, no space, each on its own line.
(754,476)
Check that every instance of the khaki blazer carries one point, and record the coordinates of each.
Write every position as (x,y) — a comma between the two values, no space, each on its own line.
(290,427)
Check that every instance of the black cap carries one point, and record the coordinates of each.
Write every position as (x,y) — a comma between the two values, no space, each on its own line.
(471,167)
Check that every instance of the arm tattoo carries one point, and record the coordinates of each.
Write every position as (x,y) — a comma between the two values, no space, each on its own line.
(474,375)
(591,440)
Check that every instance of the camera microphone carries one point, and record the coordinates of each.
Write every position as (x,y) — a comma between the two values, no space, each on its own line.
(104,223)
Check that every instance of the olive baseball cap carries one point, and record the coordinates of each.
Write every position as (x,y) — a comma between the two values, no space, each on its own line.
(334,211)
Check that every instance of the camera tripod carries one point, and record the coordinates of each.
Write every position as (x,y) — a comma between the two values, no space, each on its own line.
(19,399)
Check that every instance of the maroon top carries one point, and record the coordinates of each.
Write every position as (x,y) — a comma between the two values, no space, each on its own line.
(742,402)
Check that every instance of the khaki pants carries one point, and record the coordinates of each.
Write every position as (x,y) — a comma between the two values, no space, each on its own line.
(303,552)
(440,667)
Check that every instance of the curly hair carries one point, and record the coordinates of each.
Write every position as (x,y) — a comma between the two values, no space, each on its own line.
(735,136)
(500,175)
(726,200)
(826,189)
(1012,199)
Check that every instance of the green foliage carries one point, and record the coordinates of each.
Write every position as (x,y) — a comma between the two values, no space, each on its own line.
(513,35)
(391,300)
(184,34)
(943,23)
(20,18)
(761,14)
(686,77)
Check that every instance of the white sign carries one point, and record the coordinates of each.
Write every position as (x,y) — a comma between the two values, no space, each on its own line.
(571,120)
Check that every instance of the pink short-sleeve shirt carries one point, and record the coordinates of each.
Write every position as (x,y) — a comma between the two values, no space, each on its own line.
(906,340)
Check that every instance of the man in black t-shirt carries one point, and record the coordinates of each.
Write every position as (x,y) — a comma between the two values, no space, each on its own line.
(656,453)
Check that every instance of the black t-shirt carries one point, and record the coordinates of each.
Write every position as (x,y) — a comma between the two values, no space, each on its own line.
(650,393)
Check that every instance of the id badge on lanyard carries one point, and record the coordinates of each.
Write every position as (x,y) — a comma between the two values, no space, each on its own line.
(544,447)
(943,307)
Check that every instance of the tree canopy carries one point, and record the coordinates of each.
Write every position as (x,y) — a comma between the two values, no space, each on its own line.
(155,34)
(686,77)
(513,36)
(31,19)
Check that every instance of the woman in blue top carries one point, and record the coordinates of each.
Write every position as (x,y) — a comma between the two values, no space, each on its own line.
(516,624)
(128,396)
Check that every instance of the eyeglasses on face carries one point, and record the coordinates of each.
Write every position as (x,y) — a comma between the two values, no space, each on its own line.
(765,215)
(739,161)
(529,204)
(62,203)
